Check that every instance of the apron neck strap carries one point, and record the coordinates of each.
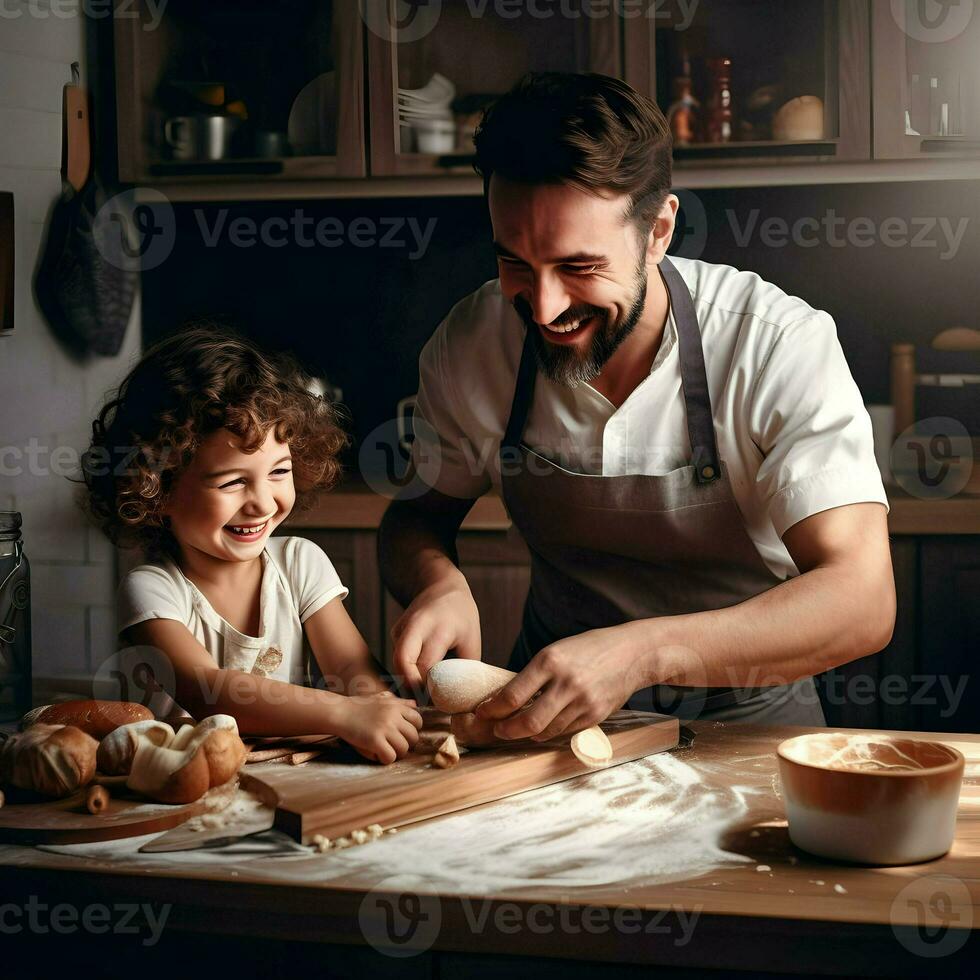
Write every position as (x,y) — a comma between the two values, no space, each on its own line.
(694,378)
(694,381)
(527,375)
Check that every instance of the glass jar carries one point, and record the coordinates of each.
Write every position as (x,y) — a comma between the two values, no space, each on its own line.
(15,620)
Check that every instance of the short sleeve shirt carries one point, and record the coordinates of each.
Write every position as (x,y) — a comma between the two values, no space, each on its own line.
(790,422)
(298,579)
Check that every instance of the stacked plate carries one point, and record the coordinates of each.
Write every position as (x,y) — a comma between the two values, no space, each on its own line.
(426,114)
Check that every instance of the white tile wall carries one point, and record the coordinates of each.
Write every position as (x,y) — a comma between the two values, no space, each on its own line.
(46,394)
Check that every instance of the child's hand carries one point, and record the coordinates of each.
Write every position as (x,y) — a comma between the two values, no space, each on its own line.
(380,726)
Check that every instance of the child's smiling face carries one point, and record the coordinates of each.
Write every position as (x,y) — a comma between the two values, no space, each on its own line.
(227,502)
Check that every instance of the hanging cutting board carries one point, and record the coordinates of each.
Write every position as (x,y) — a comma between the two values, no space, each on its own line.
(334,797)
(68,822)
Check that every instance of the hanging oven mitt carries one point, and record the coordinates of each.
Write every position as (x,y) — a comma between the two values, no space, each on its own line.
(89,271)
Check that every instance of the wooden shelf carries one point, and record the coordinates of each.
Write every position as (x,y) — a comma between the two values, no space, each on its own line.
(688,175)
(357,507)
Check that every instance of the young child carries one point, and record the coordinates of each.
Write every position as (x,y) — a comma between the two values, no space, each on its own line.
(202,453)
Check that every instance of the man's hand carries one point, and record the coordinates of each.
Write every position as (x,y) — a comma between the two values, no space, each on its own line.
(441,618)
(582,680)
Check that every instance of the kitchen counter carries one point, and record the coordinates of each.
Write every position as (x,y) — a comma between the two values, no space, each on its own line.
(681,859)
(354,506)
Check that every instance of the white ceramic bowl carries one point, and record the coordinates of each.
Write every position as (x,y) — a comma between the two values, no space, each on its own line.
(870,799)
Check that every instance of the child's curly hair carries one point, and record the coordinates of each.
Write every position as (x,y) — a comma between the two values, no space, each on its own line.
(195,382)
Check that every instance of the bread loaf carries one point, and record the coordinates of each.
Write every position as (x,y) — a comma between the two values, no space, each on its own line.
(95,718)
(116,750)
(460,685)
(179,767)
(54,760)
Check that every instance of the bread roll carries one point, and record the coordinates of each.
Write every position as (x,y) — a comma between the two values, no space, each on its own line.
(95,718)
(54,760)
(181,767)
(116,750)
(460,685)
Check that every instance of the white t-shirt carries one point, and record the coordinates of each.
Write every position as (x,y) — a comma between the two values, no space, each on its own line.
(297,580)
(791,426)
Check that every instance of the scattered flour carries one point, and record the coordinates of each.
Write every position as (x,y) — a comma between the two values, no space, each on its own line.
(651,821)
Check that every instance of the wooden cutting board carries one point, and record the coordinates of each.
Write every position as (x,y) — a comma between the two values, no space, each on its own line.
(338,793)
(68,822)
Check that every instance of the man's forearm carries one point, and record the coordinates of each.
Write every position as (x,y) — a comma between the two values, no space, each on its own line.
(826,617)
(412,554)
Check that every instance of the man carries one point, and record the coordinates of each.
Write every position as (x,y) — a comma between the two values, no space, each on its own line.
(681,445)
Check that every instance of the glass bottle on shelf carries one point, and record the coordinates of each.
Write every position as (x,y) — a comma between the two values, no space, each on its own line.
(719,110)
(684,113)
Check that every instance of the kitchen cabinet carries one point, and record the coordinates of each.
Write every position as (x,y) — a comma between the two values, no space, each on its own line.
(798,80)
(263,75)
(926,80)
(323,98)
(481,50)
(949,633)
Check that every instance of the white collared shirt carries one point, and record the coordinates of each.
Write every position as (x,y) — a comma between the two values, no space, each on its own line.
(790,423)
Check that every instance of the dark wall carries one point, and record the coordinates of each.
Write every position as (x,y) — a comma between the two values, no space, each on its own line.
(359,312)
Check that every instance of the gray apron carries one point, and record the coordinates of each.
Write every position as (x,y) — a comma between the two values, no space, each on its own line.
(609,550)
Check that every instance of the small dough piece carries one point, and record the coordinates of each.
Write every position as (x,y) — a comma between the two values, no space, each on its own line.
(360,836)
(592,747)
(448,754)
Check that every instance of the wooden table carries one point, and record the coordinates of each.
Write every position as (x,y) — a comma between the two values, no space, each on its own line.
(761,905)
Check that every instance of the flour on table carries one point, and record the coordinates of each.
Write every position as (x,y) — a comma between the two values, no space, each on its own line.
(647,822)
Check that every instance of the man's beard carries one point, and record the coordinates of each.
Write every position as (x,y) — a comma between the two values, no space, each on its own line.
(564,364)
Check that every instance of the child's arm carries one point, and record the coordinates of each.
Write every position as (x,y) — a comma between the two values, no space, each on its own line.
(344,658)
(379,728)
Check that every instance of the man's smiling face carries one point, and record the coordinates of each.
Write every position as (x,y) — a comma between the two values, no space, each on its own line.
(574,269)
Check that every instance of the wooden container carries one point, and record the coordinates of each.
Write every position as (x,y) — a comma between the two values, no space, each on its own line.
(870,799)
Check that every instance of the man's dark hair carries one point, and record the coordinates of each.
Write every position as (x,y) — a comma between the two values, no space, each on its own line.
(588,130)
